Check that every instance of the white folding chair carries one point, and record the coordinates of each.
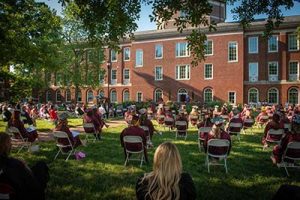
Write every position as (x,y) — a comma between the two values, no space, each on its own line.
(275,134)
(169,122)
(146,129)
(183,132)
(137,140)
(292,146)
(246,126)
(235,125)
(201,140)
(18,141)
(63,136)
(217,143)
(87,135)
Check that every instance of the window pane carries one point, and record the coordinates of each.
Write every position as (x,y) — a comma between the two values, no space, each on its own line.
(126,54)
(208,96)
(232,51)
(126,96)
(273,68)
(293,68)
(208,47)
(273,44)
(158,51)
(231,97)
(208,71)
(113,56)
(139,58)
(113,74)
(182,49)
(139,96)
(252,44)
(113,96)
(273,96)
(158,94)
(158,73)
(90,96)
(293,42)
(293,96)
(253,96)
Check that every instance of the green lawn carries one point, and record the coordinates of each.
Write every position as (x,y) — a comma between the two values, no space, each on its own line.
(101,175)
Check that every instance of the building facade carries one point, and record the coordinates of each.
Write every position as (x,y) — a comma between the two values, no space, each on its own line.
(241,66)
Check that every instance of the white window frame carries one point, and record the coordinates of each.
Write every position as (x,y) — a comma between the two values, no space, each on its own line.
(277,99)
(187,72)
(212,47)
(291,76)
(212,71)
(162,94)
(111,57)
(113,81)
(136,53)
(137,96)
(180,93)
(87,96)
(249,95)
(162,74)
(273,51)
(162,51)
(110,95)
(79,92)
(187,50)
(297,95)
(68,90)
(101,92)
(249,75)
(212,94)
(124,50)
(126,80)
(234,103)
(249,50)
(124,95)
(58,90)
(237,51)
(275,75)
(297,41)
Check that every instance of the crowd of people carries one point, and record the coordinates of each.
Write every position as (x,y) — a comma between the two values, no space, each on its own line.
(162,182)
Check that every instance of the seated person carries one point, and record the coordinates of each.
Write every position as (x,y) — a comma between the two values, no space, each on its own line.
(134,130)
(235,119)
(167,180)
(25,116)
(194,115)
(182,117)
(63,126)
(293,136)
(207,122)
(6,115)
(261,117)
(53,114)
(144,121)
(247,115)
(217,133)
(15,121)
(21,181)
(274,124)
(88,117)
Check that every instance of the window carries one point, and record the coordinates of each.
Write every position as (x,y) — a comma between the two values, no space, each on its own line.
(208,95)
(253,72)
(89,96)
(139,58)
(113,55)
(232,52)
(273,71)
(158,73)
(182,49)
(158,51)
(68,95)
(113,76)
(182,72)
(181,95)
(293,42)
(253,45)
(273,43)
(208,71)
(126,96)
(293,71)
(101,93)
(253,95)
(58,96)
(273,95)
(126,52)
(208,47)
(113,96)
(182,14)
(126,77)
(139,96)
(158,94)
(293,96)
(232,97)
(48,96)
(79,96)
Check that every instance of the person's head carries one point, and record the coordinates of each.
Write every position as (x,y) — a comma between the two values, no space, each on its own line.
(135,121)
(276,118)
(63,119)
(5,144)
(16,115)
(235,111)
(296,124)
(216,129)
(167,169)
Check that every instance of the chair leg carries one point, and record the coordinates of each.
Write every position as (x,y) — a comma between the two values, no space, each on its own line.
(207,162)
(57,154)
(287,173)
(71,152)
(225,162)
(126,160)
(199,145)
(142,159)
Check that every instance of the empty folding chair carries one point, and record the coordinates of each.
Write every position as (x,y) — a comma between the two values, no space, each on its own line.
(201,132)
(292,153)
(169,122)
(64,144)
(90,130)
(235,129)
(212,152)
(181,129)
(18,141)
(273,136)
(134,145)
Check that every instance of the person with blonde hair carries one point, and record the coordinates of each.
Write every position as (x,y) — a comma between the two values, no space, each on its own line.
(166,181)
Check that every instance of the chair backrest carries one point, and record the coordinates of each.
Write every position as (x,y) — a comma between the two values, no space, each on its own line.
(276,132)
(145,128)
(13,131)
(264,117)
(194,117)
(133,140)
(204,130)
(88,125)
(218,143)
(169,119)
(180,123)
(62,135)
(235,125)
(292,146)
(250,120)
(161,117)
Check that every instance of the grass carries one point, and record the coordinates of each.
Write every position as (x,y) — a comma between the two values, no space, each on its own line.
(101,175)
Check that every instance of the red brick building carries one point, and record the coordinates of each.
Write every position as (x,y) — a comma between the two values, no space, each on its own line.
(241,66)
